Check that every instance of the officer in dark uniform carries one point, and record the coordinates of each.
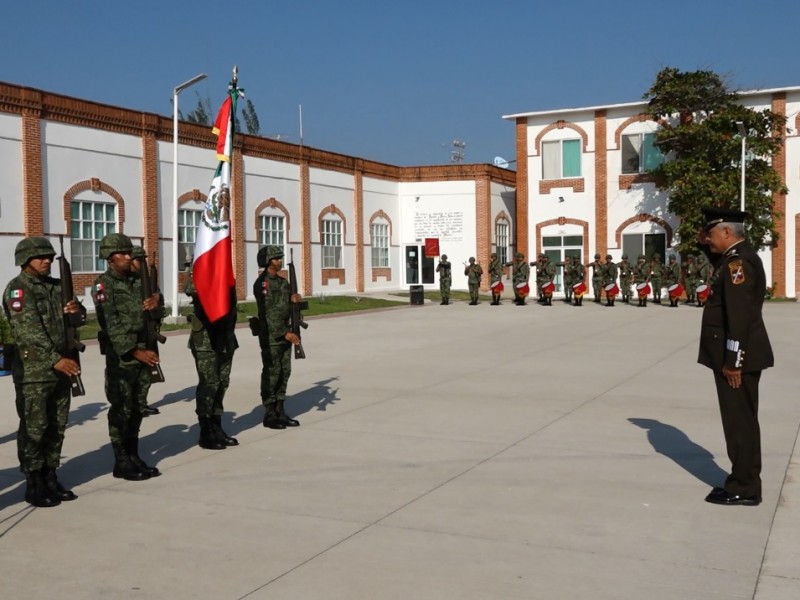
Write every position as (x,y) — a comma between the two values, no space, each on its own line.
(734,344)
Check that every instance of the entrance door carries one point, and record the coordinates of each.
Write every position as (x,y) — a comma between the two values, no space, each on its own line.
(556,247)
(419,268)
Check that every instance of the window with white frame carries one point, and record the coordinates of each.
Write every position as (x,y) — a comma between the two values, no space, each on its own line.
(331,244)
(188,222)
(380,244)
(639,153)
(90,222)
(561,159)
(501,241)
(271,231)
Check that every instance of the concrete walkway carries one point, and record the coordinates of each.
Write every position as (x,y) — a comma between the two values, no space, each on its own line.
(445,452)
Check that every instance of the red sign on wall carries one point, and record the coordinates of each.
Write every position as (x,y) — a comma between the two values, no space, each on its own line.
(431,247)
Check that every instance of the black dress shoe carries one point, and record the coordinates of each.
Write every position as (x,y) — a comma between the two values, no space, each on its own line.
(726,498)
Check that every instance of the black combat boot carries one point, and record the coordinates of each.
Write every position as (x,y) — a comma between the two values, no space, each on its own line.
(150,410)
(216,422)
(284,418)
(208,441)
(125,469)
(55,488)
(272,419)
(132,446)
(37,493)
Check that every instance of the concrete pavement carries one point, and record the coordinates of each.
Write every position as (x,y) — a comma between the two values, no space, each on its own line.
(445,452)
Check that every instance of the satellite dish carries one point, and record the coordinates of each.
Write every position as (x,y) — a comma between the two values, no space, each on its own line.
(501,162)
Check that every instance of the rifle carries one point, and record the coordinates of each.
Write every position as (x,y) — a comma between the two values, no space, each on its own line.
(72,341)
(296,320)
(152,317)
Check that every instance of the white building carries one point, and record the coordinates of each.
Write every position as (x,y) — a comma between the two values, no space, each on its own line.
(582,188)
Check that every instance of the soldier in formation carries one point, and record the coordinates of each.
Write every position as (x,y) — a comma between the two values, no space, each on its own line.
(579,273)
(473,271)
(625,278)
(704,272)
(641,275)
(597,277)
(495,278)
(656,277)
(568,277)
(610,272)
(445,278)
(213,344)
(274,298)
(118,302)
(672,276)
(138,260)
(520,276)
(691,278)
(545,274)
(40,368)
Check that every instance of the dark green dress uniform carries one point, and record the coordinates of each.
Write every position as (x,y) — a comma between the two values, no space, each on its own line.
(733,335)
(34,308)
(445,278)
(273,298)
(213,345)
(118,304)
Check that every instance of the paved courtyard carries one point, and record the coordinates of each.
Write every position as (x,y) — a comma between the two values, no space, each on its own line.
(445,452)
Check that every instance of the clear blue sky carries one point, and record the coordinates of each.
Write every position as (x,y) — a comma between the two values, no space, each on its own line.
(394,81)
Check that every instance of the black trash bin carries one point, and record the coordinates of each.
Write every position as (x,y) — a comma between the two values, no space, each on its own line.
(417,294)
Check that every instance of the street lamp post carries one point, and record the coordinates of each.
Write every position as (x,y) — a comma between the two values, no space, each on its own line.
(175,317)
(743,135)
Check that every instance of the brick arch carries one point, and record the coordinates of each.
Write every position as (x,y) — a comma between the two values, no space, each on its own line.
(561,125)
(273,203)
(192,196)
(94,184)
(797,123)
(564,221)
(640,118)
(502,216)
(328,210)
(382,215)
(640,218)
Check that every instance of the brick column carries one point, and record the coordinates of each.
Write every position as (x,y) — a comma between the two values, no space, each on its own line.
(779,205)
(522,187)
(483,224)
(305,224)
(600,184)
(32,184)
(358,226)
(150,204)
(237,222)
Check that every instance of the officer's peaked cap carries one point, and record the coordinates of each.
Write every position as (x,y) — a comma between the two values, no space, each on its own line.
(714,216)
(32,247)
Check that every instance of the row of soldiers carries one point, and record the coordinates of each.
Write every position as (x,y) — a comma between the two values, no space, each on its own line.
(608,278)
(45,362)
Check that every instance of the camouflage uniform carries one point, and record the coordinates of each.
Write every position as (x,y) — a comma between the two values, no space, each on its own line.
(625,278)
(520,275)
(213,346)
(656,277)
(35,310)
(569,277)
(495,275)
(597,277)
(672,273)
(691,278)
(610,273)
(137,255)
(445,278)
(579,274)
(273,297)
(704,271)
(545,273)
(473,271)
(641,274)
(117,298)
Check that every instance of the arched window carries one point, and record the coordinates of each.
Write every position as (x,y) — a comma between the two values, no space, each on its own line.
(271,228)
(561,159)
(379,240)
(92,218)
(189,216)
(501,231)
(331,242)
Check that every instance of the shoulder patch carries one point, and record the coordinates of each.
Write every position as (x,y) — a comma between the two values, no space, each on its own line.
(99,293)
(736,269)
(16,299)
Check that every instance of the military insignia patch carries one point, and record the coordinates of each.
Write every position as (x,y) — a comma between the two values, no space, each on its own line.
(17,300)
(99,293)
(265,288)
(737,271)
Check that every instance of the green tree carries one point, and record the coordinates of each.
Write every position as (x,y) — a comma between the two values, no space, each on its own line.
(202,114)
(251,118)
(699,135)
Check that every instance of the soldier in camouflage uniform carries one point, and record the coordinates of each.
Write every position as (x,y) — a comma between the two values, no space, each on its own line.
(610,273)
(597,277)
(545,273)
(138,257)
(273,297)
(672,274)
(579,271)
(625,278)
(473,271)
(569,277)
(641,274)
(445,278)
(691,278)
(40,369)
(656,277)
(213,345)
(118,302)
(704,271)
(495,275)
(521,274)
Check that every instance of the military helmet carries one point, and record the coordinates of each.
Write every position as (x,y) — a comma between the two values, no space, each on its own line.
(701,257)
(624,257)
(690,257)
(608,257)
(267,253)
(113,243)
(519,255)
(32,247)
(444,256)
(472,259)
(494,255)
(642,257)
(656,256)
(138,252)
(597,255)
(671,257)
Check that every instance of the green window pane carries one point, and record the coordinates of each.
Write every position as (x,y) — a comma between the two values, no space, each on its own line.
(110,216)
(74,211)
(571,159)
(99,231)
(573,240)
(551,241)
(86,234)
(86,210)
(99,213)
(652,155)
(112,228)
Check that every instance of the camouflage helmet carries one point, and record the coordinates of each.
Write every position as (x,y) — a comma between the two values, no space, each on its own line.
(493,254)
(609,257)
(690,257)
(597,255)
(656,256)
(624,257)
(267,253)
(519,255)
(472,259)
(701,258)
(642,257)
(31,247)
(444,256)
(138,252)
(113,243)
(671,258)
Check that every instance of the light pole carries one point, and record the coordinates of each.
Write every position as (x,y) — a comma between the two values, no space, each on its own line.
(175,318)
(743,135)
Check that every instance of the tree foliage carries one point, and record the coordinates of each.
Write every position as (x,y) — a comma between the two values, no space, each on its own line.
(251,118)
(202,111)
(699,136)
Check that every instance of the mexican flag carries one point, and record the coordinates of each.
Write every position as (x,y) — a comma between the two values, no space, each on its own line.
(212,272)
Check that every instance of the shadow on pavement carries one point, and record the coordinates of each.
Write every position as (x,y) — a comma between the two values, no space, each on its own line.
(318,398)
(183,395)
(676,445)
